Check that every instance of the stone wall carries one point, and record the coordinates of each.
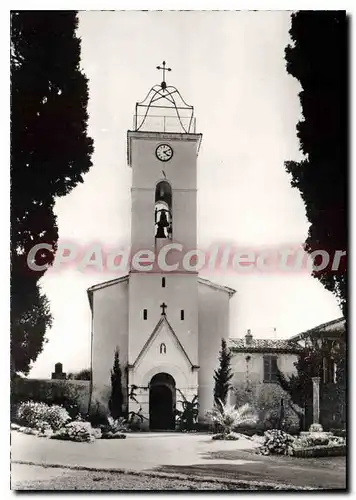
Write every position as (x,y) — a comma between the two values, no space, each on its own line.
(51,391)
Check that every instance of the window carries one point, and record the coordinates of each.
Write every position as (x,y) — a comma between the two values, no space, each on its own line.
(182,314)
(162,349)
(163,282)
(270,369)
(329,371)
(145,314)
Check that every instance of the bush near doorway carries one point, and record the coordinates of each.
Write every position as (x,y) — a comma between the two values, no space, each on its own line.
(186,419)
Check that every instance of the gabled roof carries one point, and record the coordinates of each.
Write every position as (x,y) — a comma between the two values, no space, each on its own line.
(151,338)
(336,325)
(221,288)
(104,284)
(263,345)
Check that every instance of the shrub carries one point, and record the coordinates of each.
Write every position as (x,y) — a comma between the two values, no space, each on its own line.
(276,442)
(117,435)
(77,431)
(98,415)
(114,427)
(43,426)
(69,404)
(31,414)
(270,412)
(232,436)
(186,418)
(135,420)
(228,417)
(56,416)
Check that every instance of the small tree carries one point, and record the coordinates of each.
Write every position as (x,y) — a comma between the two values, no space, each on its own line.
(116,398)
(223,374)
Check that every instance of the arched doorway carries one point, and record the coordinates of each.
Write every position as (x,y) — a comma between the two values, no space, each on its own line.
(162,402)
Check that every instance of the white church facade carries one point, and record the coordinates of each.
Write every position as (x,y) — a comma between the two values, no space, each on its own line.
(167,322)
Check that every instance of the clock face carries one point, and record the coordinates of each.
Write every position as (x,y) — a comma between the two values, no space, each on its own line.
(164,152)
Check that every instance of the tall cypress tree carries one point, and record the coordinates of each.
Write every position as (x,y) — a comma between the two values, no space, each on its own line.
(223,374)
(50,152)
(317,58)
(116,398)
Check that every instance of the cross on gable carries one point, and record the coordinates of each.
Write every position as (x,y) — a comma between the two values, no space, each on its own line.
(164,69)
(164,307)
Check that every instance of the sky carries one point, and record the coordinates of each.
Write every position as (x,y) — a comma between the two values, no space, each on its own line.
(230,66)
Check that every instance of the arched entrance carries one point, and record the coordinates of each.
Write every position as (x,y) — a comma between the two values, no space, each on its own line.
(162,402)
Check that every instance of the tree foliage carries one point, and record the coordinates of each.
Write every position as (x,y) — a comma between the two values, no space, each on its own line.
(318,59)
(116,397)
(83,374)
(50,152)
(223,374)
(311,364)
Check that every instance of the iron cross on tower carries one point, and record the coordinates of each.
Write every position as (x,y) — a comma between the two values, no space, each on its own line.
(164,69)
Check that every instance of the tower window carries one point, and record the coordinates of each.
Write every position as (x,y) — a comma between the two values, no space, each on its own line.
(162,349)
(182,314)
(163,282)
(145,314)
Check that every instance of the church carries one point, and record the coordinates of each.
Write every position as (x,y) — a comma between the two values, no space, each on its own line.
(165,320)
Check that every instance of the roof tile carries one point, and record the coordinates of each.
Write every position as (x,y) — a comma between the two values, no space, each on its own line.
(239,344)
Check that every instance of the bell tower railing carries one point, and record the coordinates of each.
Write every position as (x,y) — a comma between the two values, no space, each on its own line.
(164,110)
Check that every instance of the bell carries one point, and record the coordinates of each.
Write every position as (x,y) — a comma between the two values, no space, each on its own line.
(163,222)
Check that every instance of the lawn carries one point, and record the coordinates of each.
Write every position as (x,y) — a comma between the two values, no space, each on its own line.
(48,478)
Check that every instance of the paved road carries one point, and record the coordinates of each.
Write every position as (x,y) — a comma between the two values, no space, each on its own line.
(182,453)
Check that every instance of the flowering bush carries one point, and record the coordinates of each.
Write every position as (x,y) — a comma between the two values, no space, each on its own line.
(276,442)
(316,439)
(36,415)
(336,440)
(56,416)
(43,426)
(76,431)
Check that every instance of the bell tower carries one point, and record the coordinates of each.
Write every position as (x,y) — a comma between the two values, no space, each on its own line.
(162,153)
(165,320)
